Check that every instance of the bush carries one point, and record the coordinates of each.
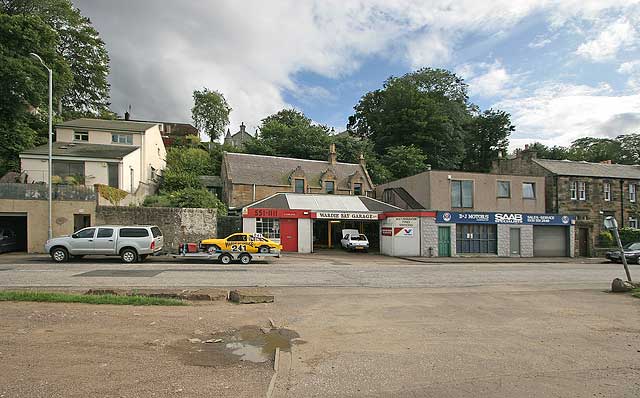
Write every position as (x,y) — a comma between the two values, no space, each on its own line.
(629,235)
(189,198)
(606,239)
(157,201)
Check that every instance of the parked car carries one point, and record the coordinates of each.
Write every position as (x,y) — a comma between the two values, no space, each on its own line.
(241,242)
(355,241)
(631,252)
(131,243)
(8,240)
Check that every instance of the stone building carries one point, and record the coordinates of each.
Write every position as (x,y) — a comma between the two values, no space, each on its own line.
(248,178)
(590,191)
(238,139)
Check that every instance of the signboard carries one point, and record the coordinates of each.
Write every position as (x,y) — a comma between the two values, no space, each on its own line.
(453,217)
(403,232)
(338,215)
(387,231)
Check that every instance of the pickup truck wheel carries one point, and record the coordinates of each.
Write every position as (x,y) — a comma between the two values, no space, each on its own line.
(226,258)
(129,256)
(245,258)
(264,249)
(60,255)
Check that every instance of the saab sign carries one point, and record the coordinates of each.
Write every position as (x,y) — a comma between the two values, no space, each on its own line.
(503,218)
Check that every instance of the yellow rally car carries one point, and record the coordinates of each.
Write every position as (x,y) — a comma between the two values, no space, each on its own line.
(241,242)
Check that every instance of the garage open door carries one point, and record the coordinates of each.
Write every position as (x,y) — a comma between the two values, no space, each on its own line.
(13,228)
(550,241)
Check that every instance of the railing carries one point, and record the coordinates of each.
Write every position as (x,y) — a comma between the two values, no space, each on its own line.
(40,192)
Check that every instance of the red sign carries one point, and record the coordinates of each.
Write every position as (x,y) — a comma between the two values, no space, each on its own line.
(387,231)
(275,213)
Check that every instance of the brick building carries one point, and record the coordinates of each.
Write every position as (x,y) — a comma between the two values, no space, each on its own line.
(590,191)
(248,178)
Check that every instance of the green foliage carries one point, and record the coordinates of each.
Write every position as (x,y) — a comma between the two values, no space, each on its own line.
(349,149)
(487,134)
(290,133)
(624,149)
(157,201)
(629,235)
(210,112)
(605,239)
(196,198)
(112,194)
(545,152)
(86,298)
(405,160)
(184,167)
(215,155)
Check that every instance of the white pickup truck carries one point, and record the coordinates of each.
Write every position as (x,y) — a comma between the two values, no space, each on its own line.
(132,243)
(353,240)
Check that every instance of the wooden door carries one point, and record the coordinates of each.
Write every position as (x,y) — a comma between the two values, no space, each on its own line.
(289,234)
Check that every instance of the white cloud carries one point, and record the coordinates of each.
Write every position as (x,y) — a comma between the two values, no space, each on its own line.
(557,114)
(605,46)
(631,68)
(488,80)
(539,42)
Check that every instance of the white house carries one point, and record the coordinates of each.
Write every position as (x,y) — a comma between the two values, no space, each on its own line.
(118,153)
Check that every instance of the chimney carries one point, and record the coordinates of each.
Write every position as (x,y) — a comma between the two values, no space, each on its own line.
(362,161)
(242,127)
(332,154)
(127,115)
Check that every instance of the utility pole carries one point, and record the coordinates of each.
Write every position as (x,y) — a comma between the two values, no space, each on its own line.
(611,224)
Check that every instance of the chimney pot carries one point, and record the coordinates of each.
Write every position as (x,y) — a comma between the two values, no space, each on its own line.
(242,127)
(332,154)
(127,115)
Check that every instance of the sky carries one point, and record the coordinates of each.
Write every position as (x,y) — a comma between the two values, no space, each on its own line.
(563,69)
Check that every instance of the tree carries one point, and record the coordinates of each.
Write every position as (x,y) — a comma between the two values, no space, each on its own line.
(210,112)
(487,135)
(215,155)
(349,149)
(555,153)
(592,149)
(80,45)
(630,148)
(290,133)
(184,168)
(426,108)
(405,160)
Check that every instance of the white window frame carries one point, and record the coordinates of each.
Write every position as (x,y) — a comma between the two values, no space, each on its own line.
(582,190)
(633,222)
(124,139)
(606,188)
(632,193)
(533,190)
(574,190)
(77,136)
(268,227)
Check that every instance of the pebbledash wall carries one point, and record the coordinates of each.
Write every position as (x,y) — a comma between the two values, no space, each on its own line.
(177,225)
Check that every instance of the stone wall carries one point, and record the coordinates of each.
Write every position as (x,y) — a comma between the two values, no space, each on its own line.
(504,240)
(177,225)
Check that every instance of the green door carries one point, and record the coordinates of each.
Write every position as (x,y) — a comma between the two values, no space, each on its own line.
(444,241)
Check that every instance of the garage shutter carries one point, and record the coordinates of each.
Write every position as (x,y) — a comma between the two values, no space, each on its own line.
(549,241)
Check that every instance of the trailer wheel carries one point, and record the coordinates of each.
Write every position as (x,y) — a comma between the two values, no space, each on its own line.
(225,258)
(245,258)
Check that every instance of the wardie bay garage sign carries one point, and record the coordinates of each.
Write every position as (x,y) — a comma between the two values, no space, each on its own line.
(503,218)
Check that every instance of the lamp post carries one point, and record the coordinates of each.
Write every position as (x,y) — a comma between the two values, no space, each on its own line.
(50,135)
(611,224)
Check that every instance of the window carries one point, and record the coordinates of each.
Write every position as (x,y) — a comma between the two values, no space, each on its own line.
(156,232)
(632,192)
(122,139)
(633,222)
(134,233)
(582,190)
(329,186)
(105,232)
(237,238)
(461,193)
(528,190)
(299,185)
(65,168)
(85,233)
(268,227)
(81,136)
(357,188)
(504,189)
(476,238)
(574,190)
(606,187)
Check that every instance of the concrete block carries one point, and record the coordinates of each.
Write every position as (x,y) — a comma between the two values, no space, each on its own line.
(250,296)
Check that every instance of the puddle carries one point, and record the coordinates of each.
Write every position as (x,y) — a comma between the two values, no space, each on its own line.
(248,344)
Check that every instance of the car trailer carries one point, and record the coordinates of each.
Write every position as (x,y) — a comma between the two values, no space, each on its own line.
(227,256)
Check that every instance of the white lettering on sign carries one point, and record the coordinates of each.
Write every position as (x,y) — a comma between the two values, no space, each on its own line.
(509,218)
(347,216)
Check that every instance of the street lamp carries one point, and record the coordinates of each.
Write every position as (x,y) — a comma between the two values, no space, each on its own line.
(611,224)
(50,134)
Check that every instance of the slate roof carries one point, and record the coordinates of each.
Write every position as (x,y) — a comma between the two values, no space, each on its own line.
(110,125)
(81,150)
(243,168)
(320,202)
(586,169)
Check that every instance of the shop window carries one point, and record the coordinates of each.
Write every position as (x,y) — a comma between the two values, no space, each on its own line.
(268,227)
(476,238)
(606,188)
(574,190)
(329,187)
(357,188)
(81,136)
(461,193)
(633,222)
(504,189)
(122,139)
(528,190)
(632,192)
(582,190)
(299,185)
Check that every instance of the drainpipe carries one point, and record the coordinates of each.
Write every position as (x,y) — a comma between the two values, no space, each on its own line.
(622,203)
(254,193)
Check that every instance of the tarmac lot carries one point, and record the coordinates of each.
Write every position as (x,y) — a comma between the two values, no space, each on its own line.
(369,327)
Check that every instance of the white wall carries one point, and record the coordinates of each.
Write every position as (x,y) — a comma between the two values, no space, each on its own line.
(35,169)
(153,153)
(96,173)
(132,160)
(305,235)
(249,225)
(400,245)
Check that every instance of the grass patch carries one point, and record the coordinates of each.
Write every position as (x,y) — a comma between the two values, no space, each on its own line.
(636,292)
(86,299)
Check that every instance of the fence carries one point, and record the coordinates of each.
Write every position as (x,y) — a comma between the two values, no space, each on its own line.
(40,192)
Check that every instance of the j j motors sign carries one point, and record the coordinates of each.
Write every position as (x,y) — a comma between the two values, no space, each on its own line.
(503,218)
